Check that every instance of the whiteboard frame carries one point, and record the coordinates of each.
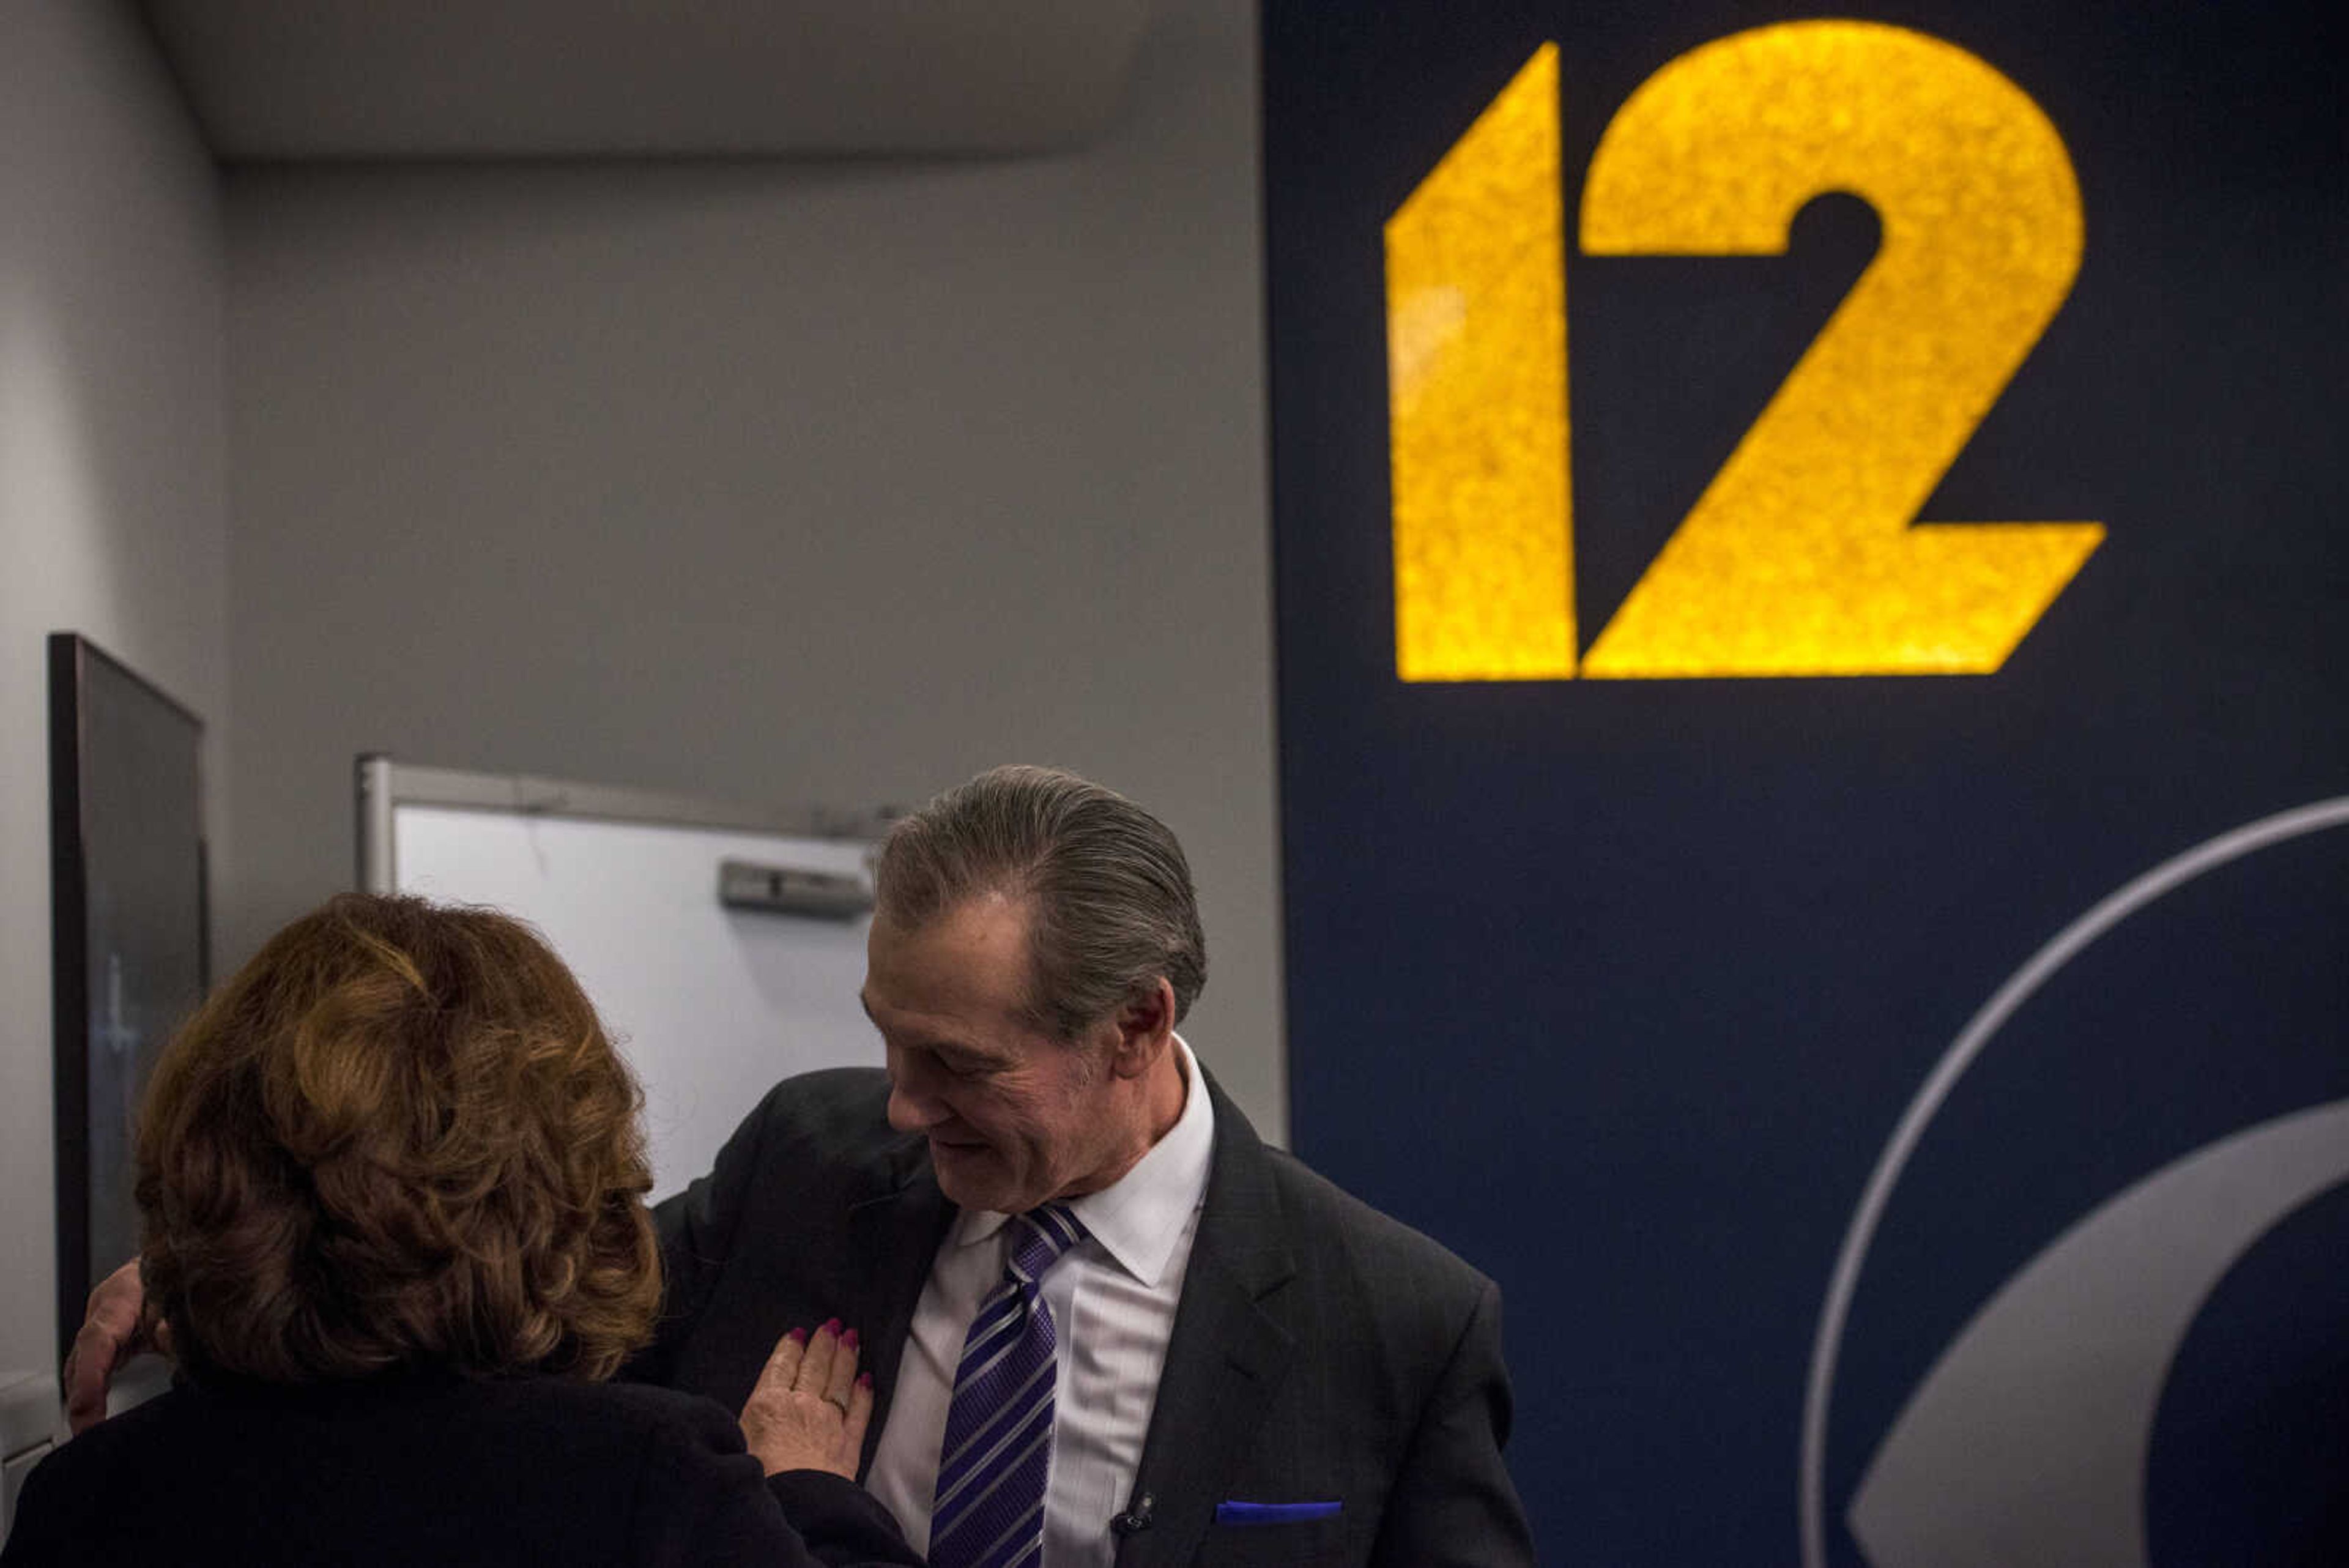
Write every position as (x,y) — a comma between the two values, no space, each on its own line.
(384,785)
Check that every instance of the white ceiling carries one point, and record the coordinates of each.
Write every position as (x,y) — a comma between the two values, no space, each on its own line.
(310,79)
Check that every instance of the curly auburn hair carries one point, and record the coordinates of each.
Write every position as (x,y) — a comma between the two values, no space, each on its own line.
(398,1139)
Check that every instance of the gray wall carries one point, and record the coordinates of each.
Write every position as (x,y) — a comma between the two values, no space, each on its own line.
(829,482)
(112,512)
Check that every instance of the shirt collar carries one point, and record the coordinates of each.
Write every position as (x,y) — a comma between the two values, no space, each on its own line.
(1140,1217)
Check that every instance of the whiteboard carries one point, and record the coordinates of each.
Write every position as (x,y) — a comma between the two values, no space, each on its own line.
(710,1005)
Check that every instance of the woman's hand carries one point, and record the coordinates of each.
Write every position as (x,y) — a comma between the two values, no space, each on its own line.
(810,1410)
(115,1329)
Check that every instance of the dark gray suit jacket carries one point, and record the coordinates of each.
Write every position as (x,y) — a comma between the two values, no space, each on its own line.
(1321,1352)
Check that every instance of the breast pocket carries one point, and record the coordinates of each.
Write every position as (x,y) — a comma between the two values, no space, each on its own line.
(1264,1542)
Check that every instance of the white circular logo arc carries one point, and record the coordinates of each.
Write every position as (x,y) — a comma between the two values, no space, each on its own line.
(2135,1273)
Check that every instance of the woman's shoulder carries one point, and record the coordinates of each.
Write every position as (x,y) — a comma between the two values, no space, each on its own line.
(638,1407)
(545,1466)
(157,1423)
(79,1481)
(423,1423)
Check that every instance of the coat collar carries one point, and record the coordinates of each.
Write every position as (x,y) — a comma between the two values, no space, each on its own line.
(1229,1351)
(899,1226)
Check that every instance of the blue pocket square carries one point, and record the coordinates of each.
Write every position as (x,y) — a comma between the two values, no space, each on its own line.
(1273,1513)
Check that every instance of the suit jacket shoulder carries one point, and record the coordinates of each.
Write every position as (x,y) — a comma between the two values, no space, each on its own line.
(814,1209)
(1275,1215)
(1327,1358)
(1377,1248)
(839,1111)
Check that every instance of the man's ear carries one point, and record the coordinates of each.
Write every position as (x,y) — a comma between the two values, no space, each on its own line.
(1146,1029)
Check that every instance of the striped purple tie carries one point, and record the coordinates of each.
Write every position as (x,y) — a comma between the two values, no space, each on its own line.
(990,1511)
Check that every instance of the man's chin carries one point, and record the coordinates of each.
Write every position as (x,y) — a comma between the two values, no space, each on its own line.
(970,1175)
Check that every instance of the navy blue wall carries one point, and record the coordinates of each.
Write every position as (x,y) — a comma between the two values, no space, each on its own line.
(1621,988)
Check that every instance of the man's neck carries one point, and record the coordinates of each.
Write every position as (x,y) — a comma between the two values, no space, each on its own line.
(1164,1091)
(1170,1090)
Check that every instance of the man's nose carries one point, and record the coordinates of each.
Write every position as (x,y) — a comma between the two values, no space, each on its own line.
(910,1110)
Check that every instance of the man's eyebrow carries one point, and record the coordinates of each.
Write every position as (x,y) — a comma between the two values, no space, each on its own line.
(923,1042)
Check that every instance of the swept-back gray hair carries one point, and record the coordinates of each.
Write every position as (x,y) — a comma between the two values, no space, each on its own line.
(1109,895)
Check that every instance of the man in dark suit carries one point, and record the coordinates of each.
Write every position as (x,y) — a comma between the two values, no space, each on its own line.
(1104,1323)
(1301,1378)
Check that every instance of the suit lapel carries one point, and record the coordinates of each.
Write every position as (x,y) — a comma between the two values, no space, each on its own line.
(1228,1353)
(900,1228)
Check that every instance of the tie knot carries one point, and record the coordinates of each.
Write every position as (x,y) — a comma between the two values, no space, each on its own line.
(1038,1237)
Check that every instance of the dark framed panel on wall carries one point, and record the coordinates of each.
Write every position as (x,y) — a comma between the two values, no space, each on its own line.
(130,949)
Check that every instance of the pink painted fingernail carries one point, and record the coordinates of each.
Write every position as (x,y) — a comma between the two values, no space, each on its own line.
(832,1325)
(864,1381)
(848,1340)
(797,1336)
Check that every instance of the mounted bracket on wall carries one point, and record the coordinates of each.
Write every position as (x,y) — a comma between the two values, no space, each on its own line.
(792,891)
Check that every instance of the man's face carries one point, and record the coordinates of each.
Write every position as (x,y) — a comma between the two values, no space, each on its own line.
(1014,1117)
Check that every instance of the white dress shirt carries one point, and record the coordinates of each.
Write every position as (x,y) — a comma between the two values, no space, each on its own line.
(1113,1299)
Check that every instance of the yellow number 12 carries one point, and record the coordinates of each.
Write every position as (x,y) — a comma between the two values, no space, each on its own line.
(1803,556)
